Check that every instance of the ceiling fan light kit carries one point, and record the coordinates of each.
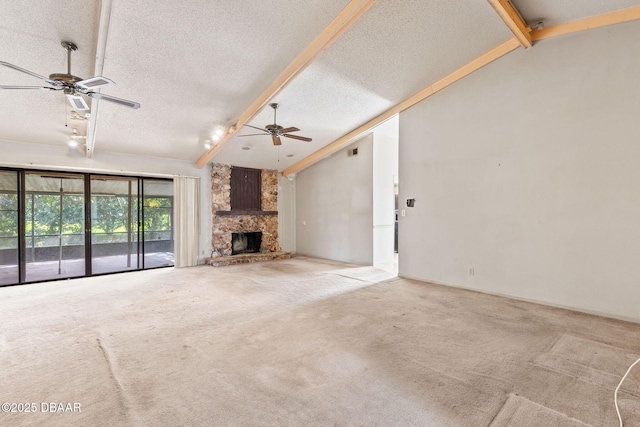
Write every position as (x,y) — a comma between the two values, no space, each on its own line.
(74,137)
(276,131)
(72,86)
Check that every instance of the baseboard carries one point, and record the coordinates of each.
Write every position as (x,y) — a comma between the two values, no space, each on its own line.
(531,300)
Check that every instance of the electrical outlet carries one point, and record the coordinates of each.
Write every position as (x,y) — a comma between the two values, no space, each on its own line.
(472,271)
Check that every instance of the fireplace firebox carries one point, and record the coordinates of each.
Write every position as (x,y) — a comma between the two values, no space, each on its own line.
(245,243)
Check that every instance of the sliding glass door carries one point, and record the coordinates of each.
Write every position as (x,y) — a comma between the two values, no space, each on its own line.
(114,224)
(9,231)
(57,225)
(54,226)
(158,223)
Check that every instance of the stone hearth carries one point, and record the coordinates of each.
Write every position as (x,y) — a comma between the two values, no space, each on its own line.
(226,221)
(246,258)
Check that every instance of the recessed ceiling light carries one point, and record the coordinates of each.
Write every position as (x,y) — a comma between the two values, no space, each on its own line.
(246,148)
(73,143)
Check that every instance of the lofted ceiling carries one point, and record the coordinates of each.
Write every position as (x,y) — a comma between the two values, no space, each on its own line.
(198,65)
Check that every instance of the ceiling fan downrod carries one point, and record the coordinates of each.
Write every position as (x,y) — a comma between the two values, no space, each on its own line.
(68,77)
(274,105)
(70,47)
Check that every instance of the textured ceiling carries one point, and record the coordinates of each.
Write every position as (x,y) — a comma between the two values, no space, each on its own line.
(397,48)
(31,32)
(199,64)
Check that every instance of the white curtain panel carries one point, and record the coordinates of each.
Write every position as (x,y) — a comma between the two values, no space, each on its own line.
(186,217)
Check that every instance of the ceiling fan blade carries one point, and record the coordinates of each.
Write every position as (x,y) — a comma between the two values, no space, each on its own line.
(287,130)
(254,134)
(94,83)
(264,130)
(29,87)
(120,101)
(276,140)
(22,70)
(78,103)
(301,138)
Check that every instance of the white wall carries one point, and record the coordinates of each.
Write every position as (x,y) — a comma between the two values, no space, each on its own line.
(334,207)
(529,171)
(287,213)
(385,168)
(40,156)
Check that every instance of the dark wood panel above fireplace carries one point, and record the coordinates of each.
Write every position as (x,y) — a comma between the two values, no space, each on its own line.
(246,189)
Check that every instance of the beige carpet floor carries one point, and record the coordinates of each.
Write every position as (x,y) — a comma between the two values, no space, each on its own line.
(305,342)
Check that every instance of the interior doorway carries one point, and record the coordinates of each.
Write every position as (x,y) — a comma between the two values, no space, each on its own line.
(385,195)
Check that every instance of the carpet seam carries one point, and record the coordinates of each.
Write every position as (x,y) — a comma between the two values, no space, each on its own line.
(121,396)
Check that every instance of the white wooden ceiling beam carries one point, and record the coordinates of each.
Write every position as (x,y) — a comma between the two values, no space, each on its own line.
(611,18)
(349,15)
(101,47)
(510,15)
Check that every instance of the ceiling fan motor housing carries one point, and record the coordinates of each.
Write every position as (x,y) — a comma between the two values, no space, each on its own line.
(65,78)
(273,129)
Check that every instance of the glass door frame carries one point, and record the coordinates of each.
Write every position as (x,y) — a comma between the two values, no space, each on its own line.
(140,229)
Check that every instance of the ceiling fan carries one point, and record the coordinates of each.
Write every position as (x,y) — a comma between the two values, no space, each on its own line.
(276,131)
(72,86)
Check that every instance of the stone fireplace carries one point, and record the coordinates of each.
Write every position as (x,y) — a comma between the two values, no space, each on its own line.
(228,221)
